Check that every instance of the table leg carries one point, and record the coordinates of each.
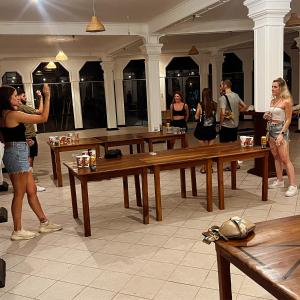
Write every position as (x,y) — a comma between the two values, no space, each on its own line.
(183,141)
(150,145)
(224,277)
(156,171)
(130,149)
(220,183)
(58,169)
(194,181)
(137,190)
(97,151)
(105,148)
(265,177)
(85,207)
(53,164)
(182,183)
(143,147)
(125,191)
(145,196)
(209,206)
(138,148)
(233,175)
(73,195)
(169,144)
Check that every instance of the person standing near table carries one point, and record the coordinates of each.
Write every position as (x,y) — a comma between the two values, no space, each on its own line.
(279,119)
(30,130)
(16,161)
(179,113)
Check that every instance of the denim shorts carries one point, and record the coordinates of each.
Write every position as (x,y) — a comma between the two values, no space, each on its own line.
(276,129)
(15,157)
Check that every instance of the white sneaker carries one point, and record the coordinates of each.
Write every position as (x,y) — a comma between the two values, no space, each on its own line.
(276,184)
(23,235)
(40,188)
(49,227)
(292,191)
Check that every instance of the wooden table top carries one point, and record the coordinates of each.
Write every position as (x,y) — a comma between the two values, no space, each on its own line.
(272,252)
(82,142)
(188,154)
(127,162)
(118,138)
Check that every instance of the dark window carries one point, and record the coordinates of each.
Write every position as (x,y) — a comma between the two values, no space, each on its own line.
(13,79)
(92,95)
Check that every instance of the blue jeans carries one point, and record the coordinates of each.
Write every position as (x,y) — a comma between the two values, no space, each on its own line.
(16,157)
(276,129)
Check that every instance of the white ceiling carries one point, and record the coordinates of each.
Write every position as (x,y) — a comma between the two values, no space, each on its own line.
(22,32)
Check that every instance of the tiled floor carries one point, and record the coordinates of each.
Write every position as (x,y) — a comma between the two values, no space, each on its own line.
(124,259)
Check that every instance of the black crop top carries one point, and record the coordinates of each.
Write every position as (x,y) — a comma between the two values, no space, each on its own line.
(178,112)
(14,134)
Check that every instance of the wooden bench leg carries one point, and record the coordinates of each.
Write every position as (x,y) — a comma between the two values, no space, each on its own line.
(209,185)
(220,183)
(156,172)
(85,207)
(182,183)
(194,181)
(265,177)
(73,195)
(145,196)
(233,174)
(125,191)
(138,190)
(224,277)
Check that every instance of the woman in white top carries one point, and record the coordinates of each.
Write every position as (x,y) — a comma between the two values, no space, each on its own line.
(279,119)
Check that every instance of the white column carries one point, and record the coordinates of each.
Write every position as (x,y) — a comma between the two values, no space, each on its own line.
(216,60)
(268,46)
(28,89)
(118,77)
(202,61)
(108,66)
(152,55)
(163,63)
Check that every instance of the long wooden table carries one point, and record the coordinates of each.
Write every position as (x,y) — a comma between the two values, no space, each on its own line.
(192,157)
(106,169)
(270,256)
(83,143)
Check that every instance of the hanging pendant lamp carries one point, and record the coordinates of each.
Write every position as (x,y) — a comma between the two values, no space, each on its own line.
(61,56)
(193,51)
(293,21)
(51,66)
(95,24)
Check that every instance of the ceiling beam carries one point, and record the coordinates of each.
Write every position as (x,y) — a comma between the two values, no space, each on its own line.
(70,28)
(179,12)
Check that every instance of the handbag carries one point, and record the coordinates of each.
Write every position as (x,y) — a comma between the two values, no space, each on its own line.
(113,153)
(2,272)
(228,114)
(234,228)
(3,215)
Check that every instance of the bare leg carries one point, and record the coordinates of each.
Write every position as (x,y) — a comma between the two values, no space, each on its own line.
(283,153)
(33,199)
(19,181)
(277,160)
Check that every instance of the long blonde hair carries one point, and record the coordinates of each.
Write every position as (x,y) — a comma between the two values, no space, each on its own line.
(284,90)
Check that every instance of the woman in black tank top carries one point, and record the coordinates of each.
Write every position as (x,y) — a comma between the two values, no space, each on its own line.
(16,160)
(179,113)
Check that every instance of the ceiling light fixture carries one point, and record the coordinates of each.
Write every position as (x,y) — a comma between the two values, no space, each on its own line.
(61,56)
(293,21)
(51,66)
(193,51)
(95,24)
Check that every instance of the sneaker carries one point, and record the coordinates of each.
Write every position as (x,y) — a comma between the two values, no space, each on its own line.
(23,235)
(40,188)
(276,184)
(292,191)
(49,227)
